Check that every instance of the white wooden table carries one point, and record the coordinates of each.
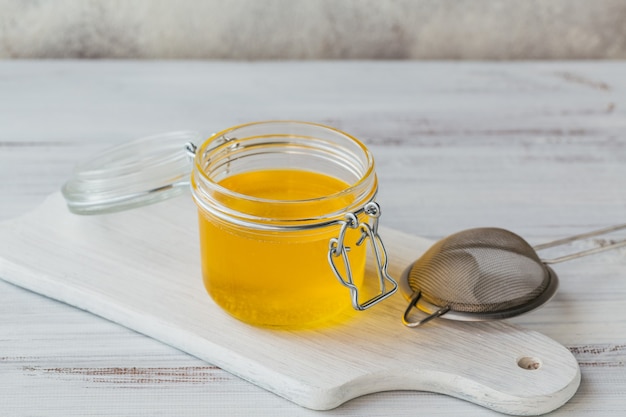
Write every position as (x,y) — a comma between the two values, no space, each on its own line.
(538,148)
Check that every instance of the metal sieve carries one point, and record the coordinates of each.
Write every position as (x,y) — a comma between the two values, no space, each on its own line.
(485,274)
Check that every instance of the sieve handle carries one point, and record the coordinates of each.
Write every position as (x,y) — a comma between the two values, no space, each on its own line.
(581,236)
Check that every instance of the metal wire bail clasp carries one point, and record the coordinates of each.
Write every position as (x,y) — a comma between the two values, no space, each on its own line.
(338,249)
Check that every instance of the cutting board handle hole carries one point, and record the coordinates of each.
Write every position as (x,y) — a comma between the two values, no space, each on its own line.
(529,363)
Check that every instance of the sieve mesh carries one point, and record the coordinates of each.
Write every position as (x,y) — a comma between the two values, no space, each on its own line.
(482,270)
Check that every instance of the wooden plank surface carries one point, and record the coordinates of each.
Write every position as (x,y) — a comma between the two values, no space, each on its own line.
(539,148)
(141,268)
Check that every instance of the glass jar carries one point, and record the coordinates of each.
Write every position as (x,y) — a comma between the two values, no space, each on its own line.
(286,215)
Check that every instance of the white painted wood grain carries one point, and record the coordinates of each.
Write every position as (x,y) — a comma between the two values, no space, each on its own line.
(538,148)
(140,268)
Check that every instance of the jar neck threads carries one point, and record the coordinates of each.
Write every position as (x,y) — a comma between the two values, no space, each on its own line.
(263,146)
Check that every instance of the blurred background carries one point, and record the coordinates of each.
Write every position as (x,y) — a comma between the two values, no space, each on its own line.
(313,29)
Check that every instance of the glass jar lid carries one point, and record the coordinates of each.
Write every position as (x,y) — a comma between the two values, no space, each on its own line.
(140,172)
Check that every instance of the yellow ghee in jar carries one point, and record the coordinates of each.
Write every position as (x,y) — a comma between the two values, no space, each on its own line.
(279,278)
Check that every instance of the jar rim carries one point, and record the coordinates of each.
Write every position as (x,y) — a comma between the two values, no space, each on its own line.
(203,148)
(223,139)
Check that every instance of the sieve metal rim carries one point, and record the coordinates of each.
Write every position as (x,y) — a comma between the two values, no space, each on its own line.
(433,310)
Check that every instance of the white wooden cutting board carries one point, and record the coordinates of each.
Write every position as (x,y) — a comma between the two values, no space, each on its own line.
(141,269)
